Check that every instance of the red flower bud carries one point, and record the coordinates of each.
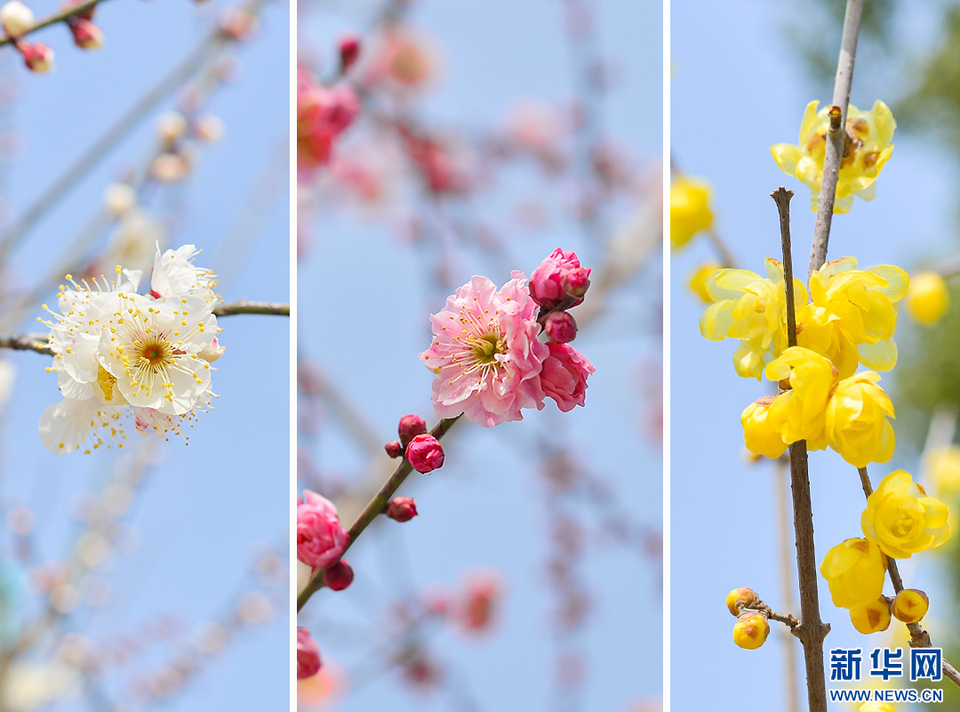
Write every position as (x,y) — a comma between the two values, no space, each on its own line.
(339,576)
(402,509)
(393,448)
(561,328)
(349,52)
(410,427)
(425,453)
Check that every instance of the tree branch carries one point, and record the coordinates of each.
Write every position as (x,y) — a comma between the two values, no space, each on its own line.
(38,342)
(374,507)
(811,630)
(835,137)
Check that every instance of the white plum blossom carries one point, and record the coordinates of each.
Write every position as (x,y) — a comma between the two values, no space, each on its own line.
(118,352)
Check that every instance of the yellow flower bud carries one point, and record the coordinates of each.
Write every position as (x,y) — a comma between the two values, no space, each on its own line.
(854,570)
(943,467)
(698,280)
(751,630)
(902,519)
(871,617)
(759,434)
(876,707)
(928,298)
(856,424)
(689,210)
(910,605)
(743,596)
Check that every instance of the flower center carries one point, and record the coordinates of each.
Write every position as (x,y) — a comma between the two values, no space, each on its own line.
(154,353)
(486,347)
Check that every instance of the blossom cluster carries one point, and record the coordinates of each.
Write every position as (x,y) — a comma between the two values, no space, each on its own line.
(866,148)
(487,354)
(322,115)
(116,351)
(899,520)
(849,318)
(17,20)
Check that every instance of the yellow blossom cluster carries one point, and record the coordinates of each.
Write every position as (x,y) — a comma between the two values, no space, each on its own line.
(866,148)
(689,210)
(899,520)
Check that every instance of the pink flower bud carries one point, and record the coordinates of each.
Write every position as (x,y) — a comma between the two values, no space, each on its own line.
(86,35)
(393,448)
(213,351)
(410,427)
(563,376)
(425,453)
(402,509)
(575,282)
(321,538)
(339,576)
(560,327)
(308,655)
(38,57)
(546,282)
(349,52)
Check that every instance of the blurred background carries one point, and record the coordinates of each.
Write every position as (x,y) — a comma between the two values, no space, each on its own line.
(487,136)
(155,579)
(731,101)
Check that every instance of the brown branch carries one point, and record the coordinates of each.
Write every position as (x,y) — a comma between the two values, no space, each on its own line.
(63,15)
(374,507)
(811,630)
(38,342)
(919,638)
(835,137)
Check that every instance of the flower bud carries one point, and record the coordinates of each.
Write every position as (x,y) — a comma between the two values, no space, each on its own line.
(308,655)
(402,509)
(349,52)
(546,282)
(38,57)
(118,198)
(741,597)
(16,18)
(575,282)
(339,576)
(561,328)
(425,453)
(910,605)
(86,35)
(171,127)
(751,630)
(410,427)
(208,128)
(871,617)
(394,449)
(927,298)
(854,570)
(213,351)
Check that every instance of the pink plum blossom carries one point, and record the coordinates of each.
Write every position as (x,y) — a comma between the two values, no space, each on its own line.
(308,655)
(546,282)
(485,352)
(321,539)
(564,376)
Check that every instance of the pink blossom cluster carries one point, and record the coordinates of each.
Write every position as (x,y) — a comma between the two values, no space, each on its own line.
(322,115)
(487,354)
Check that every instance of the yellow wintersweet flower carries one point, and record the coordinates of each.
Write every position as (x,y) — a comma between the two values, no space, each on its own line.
(910,605)
(854,570)
(753,309)
(751,630)
(851,317)
(871,617)
(799,414)
(876,707)
(759,434)
(856,424)
(943,467)
(689,210)
(698,280)
(866,148)
(928,298)
(902,519)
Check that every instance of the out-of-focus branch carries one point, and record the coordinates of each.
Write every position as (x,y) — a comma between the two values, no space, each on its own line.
(57,17)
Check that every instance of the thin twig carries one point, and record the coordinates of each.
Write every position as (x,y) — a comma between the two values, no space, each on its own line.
(812,630)
(835,137)
(919,638)
(374,507)
(60,16)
